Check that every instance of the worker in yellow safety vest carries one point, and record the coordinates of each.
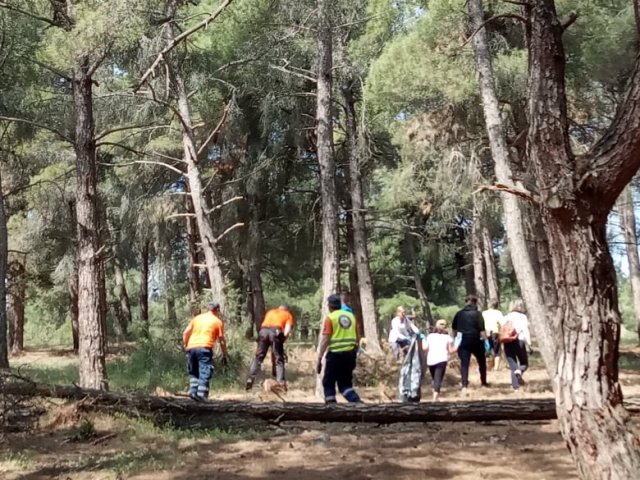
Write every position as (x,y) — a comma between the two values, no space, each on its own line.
(340,342)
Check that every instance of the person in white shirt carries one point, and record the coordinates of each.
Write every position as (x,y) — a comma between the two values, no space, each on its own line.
(492,321)
(438,345)
(401,331)
(516,350)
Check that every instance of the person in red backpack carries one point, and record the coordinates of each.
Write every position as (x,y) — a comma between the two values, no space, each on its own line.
(515,336)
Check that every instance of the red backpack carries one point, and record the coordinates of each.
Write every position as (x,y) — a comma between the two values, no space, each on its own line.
(507,333)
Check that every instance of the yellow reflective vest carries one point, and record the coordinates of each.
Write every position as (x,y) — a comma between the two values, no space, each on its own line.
(344,336)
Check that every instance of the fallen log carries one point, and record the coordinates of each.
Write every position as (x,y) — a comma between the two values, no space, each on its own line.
(381,413)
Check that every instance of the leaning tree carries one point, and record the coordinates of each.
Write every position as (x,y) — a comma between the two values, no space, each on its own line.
(575,309)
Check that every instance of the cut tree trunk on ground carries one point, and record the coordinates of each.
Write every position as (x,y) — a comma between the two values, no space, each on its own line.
(383,413)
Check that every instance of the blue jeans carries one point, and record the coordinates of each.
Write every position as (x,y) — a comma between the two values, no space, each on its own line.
(200,368)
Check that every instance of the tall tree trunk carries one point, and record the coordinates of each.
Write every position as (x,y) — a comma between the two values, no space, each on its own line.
(16,287)
(354,289)
(628,218)
(365,282)
(4,257)
(144,290)
(193,272)
(193,176)
(492,286)
(72,289)
(123,296)
(412,246)
(578,328)
(91,313)
(477,252)
(324,133)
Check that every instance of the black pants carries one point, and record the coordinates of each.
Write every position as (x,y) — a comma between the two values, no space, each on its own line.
(475,348)
(269,338)
(338,369)
(517,358)
(437,375)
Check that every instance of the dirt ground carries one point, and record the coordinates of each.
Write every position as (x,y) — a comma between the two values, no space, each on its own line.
(66,446)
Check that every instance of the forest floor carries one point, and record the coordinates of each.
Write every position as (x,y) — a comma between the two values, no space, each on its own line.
(68,445)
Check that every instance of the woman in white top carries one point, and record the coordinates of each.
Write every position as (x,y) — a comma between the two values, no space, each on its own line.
(438,346)
(401,331)
(516,350)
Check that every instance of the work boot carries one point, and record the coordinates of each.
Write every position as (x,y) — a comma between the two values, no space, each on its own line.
(249,385)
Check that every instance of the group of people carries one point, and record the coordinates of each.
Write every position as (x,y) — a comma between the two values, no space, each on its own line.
(473,333)
(338,348)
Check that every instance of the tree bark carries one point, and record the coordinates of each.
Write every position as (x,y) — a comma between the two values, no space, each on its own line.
(4,258)
(354,289)
(144,290)
(628,218)
(579,328)
(326,160)
(16,291)
(358,212)
(123,296)
(381,413)
(91,313)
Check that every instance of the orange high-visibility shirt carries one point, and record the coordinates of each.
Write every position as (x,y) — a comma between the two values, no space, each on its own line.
(203,331)
(277,318)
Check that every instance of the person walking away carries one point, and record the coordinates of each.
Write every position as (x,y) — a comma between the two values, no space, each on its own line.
(438,345)
(198,339)
(515,336)
(470,324)
(400,334)
(492,320)
(274,331)
(340,343)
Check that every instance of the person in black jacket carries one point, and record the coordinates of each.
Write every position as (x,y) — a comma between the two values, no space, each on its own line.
(470,324)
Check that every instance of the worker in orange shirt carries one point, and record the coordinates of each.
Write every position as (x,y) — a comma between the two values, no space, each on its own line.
(274,330)
(199,339)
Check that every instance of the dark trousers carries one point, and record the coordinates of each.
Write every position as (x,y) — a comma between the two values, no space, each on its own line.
(516,353)
(338,369)
(437,375)
(200,368)
(274,339)
(496,346)
(465,351)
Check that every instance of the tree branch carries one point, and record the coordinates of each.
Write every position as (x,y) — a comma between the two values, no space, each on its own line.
(177,40)
(302,75)
(225,203)
(514,16)
(228,230)
(500,187)
(49,21)
(150,126)
(214,133)
(570,21)
(615,158)
(38,125)
(180,215)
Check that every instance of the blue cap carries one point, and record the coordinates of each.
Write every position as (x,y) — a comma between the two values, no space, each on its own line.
(213,305)
(334,301)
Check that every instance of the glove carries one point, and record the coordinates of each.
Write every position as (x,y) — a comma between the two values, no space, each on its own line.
(458,340)
(421,336)
(319,366)
(487,346)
